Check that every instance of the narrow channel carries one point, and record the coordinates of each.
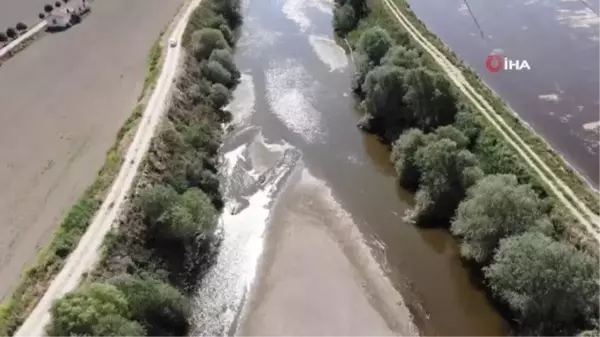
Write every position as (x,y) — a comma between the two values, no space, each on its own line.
(314,241)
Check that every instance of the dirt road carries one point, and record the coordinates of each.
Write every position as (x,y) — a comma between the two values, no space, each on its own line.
(575,206)
(87,251)
(62,101)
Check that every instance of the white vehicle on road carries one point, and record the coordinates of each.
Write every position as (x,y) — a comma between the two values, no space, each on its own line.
(172,43)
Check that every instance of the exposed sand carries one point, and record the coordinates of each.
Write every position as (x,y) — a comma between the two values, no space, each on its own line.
(316,277)
(62,101)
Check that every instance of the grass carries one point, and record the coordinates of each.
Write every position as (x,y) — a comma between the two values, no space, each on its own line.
(34,282)
(571,178)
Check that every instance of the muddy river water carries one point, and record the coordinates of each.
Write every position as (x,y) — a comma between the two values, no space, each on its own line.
(314,241)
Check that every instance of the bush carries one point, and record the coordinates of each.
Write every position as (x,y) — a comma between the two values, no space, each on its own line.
(3,37)
(161,309)
(41,16)
(496,207)
(192,216)
(155,200)
(57,4)
(344,19)
(11,33)
(550,286)
(205,41)
(374,43)
(48,8)
(21,26)
(94,309)
(403,57)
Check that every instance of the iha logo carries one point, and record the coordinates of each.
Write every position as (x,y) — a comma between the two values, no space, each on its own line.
(495,63)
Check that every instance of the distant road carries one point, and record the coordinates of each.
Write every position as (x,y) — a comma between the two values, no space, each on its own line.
(62,102)
(88,249)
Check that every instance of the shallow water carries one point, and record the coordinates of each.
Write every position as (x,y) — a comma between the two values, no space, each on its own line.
(296,158)
(559,96)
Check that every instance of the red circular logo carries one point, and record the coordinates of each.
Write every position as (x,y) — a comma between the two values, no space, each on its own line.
(493,63)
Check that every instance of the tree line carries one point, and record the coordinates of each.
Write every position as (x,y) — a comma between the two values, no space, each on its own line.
(466,179)
(166,240)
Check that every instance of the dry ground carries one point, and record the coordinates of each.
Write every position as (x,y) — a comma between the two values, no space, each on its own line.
(62,101)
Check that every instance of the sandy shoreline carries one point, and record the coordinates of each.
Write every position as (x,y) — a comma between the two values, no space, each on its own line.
(315,279)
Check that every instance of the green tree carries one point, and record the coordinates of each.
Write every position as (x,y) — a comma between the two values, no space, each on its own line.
(401,56)
(192,216)
(363,66)
(225,58)
(216,73)
(467,123)
(453,134)
(550,286)
(374,43)
(155,200)
(384,88)
(404,150)
(219,95)
(92,309)
(496,207)
(205,40)
(344,19)
(447,171)
(159,307)
(431,98)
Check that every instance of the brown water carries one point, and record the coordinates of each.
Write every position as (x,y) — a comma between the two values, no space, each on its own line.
(295,127)
(559,96)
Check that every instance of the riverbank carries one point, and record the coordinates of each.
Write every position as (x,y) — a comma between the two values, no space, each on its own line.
(456,161)
(170,216)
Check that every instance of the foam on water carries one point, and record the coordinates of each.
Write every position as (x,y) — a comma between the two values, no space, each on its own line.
(329,52)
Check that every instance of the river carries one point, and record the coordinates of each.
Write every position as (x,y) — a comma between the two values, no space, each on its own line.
(314,241)
(559,96)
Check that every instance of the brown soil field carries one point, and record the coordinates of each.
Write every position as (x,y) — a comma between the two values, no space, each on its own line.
(62,101)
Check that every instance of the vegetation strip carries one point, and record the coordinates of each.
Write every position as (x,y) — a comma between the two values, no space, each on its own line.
(166,238)
(50,260)
(467,179)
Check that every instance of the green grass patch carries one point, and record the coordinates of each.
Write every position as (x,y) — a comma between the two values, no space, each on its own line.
(153,67)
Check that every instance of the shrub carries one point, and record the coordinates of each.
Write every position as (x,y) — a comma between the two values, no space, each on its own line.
(11,33)
(155,200)
(3,37)
(205,41)
(94,309)
(216,73)
(161,309)
(21,26)
(496,207)
(191,216)
(48,8)
(550,286)
(344,19)
(41,16)
(57,4)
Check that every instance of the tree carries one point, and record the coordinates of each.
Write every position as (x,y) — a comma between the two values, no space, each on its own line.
(219,95)
(495,208)
(11,33)
(375,43)
(57,4)
(191,216)
(447,171)
(3,37)
(21,26)
(41,16)
(216,73)
(401,56)
(452,133)
(431,98)
(404,150)
(384,89)
(155,200)
(467,123)
(160,308)
(93,309)
(363,66)
(550,286)
(225,58)
(344,19)
(205,41)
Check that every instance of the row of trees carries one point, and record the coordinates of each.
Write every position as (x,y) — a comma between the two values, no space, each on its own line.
(167,239)
(464,176)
